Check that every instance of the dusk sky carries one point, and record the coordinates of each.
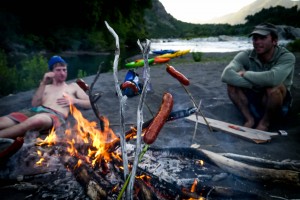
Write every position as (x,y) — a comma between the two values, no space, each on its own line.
(200,11)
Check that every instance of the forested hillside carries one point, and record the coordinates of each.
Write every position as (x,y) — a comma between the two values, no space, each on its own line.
(69,25)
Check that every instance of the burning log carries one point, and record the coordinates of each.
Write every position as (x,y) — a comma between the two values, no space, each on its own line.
(94,184)
(252,172)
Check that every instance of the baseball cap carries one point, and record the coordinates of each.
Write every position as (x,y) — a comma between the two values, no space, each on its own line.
(264,29)
(53,60)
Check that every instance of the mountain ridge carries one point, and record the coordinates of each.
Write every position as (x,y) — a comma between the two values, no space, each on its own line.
(239,16)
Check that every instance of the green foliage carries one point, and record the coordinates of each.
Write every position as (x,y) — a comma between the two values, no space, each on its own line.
(8,76)
(26,77)
(294,46)
(77,28)
(95,40)
(81,73)
(276,15)
(33,70)
(197,56)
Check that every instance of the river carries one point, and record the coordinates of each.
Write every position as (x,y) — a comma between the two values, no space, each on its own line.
(90,63)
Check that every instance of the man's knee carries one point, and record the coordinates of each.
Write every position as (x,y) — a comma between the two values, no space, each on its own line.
(235,92)
(39,122)
(6,122)
(276,93)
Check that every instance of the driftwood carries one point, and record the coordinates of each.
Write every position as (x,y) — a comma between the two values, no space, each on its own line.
(264,162)
(122,100)
(252,172)
(145,49)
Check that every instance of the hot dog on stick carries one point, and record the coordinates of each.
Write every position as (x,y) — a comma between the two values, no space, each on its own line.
(159,120)
(178,75)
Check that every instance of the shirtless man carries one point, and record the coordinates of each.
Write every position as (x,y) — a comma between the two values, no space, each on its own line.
(50,103)
(259,80)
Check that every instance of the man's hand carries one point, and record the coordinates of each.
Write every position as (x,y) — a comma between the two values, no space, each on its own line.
(241,73)
(65,101)
(48,77)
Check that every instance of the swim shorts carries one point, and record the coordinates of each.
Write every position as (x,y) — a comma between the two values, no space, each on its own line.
(256,108)
(57,118)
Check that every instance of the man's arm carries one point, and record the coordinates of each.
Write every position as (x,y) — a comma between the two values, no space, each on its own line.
(276,75)
(37,99)
(82,99)
(232,73)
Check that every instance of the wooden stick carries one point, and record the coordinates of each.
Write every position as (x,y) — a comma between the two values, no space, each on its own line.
(93,100)
(122,100)
(198,108)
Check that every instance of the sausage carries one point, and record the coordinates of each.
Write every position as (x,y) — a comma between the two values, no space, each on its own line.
(176,74)
(129,84)
(12,149)
(82,84)
(159,120)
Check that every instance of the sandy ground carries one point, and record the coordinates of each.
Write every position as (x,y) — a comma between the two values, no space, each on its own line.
(206,87)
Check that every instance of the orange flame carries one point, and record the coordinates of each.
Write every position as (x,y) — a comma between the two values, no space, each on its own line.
(193,189)
(87,133)
(49,140)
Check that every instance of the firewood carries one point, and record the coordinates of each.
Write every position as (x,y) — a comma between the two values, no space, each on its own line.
(251,172)
(95,186)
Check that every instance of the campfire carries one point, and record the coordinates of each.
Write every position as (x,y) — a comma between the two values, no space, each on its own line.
(80,158)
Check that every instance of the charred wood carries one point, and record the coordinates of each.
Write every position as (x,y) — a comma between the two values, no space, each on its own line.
(94,184)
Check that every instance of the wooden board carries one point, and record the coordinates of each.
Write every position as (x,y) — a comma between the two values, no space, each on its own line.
(254,135)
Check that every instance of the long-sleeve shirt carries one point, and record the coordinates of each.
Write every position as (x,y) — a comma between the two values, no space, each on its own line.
(279,70)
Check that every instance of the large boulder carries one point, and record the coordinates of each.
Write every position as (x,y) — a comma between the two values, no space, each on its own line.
(288,32)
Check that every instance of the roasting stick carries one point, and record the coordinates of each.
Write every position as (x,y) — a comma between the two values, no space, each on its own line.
(185,82)
(145,49)
(152,132)
(196,124)
(129,176)
(122,100)
(198,107)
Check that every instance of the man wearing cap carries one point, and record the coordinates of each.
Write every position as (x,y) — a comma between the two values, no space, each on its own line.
(50,103)
(259,80)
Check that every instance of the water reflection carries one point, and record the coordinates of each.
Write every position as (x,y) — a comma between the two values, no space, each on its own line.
(89,63)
